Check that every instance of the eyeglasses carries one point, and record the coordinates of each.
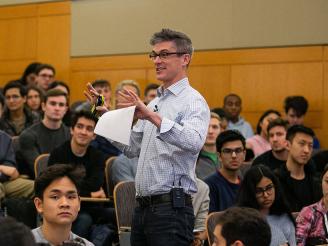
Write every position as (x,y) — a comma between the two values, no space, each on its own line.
(237,151)
(163,55)
(267,189)
(50,76)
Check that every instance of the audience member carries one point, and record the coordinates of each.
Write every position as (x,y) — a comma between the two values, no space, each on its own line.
(223,116)
(277,156)
(241,227)
(126,85)
(297,176)
(29,75)
(45,136)
(295,109)
(45,76)
(321,160)
(16,117)
(57,200)
(11,185)
(123,169)
(2,103)
(311,222)
(13,233)
(261,190)
(208,161)
(34,97)
(232,106)
(225,183)
(259,143)
(79,153)
(150,92)
(200,203)
(61,85)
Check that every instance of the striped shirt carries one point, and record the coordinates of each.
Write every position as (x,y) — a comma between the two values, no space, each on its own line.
(168,154)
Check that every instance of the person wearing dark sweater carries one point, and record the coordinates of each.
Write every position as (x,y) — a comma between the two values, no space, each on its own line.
(45,136)
(277,156)
(80,154)
(225,183)
(297,176)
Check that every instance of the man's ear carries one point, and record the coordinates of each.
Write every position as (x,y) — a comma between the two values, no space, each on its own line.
(288,144)
(237,243)
(38,205)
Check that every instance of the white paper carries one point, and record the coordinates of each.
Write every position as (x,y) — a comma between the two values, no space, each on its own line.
(116,125)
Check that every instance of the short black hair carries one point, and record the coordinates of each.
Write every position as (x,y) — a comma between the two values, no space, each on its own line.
(220,112)
(278,122)
(265,114)
(57,83)
(13,233)
(231,95)
(298,103)
(55,172)
(82,114)
(15,84)
(54,93)
(45,66)
(293,130)
(149,87)
(101,83)
(228,136)
(2,99)
(244,224)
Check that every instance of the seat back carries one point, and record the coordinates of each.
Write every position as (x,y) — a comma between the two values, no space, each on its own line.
(40,164)
(210,226)
(109,181)
(125,202)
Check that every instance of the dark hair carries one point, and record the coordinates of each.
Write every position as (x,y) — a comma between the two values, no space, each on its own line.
(247,193)
(220,112)
(293,130)
(149,87)
(57,83)
(101,83)
(45,66)
(298,103)
(228,136)
(82,114)
(244,224)
(31,68)
(231,95)
(37,89)
(181,40)
(2,99)
(14,84)
(278,122)
(13,233)
(55,172)
(54,93)
(265,114)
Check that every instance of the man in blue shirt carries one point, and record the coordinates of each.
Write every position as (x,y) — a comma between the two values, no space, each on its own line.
(225,183)
(168,136)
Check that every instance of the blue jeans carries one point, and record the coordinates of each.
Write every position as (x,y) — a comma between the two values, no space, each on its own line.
(161,224)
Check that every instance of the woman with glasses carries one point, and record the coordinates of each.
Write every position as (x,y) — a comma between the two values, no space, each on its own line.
(312,221)
(261,190)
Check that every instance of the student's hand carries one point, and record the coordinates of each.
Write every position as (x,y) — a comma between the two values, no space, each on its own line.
(98,194)
(129,98)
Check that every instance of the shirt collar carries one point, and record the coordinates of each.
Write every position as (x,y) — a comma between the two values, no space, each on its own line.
(175,89)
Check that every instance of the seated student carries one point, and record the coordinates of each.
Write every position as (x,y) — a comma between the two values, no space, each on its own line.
(277,156)
(150,92)
(29,75)
(45,75)
(225,182)
(297,176)
(11,185)
(208,161)
(311,225)
(57,200)
(13,233)
(232,107)
(123,169)
(259,143)
(34,97)
(223,116)
(261,190)
(241,227)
